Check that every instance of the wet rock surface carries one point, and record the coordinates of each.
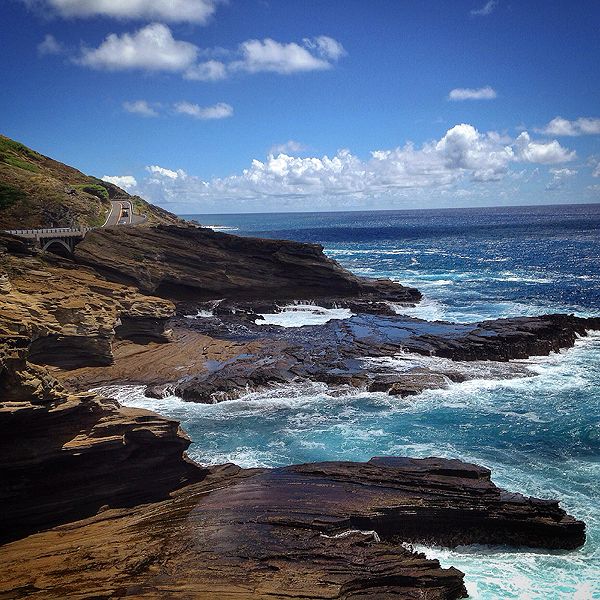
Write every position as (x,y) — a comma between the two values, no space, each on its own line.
(353,351)
(323,530)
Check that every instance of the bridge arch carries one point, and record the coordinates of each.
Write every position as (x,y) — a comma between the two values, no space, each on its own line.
(57,246)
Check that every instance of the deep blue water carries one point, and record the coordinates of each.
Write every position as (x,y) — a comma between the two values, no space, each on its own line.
(539,434)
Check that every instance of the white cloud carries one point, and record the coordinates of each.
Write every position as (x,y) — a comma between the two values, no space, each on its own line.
(161,172)
(218,111)
(325,47)
(546,153)
(50,46)
(211,70)
(462,156)
(559,177)
(290,147)
(486,93)
(126,182)
(176,11)
(140,107)
(152,48)
(486,9)
(581,126)
(485,156)
(270,55)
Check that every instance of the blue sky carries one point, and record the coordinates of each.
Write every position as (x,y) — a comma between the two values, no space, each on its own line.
(212,106)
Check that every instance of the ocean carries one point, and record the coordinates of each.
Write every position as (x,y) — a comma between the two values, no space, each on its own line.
(539,433)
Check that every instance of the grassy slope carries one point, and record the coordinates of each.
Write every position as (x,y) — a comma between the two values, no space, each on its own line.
(37,191)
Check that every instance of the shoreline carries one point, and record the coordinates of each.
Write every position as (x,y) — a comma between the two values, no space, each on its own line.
(83,455)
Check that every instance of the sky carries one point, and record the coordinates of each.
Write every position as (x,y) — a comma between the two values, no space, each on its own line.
(231,106)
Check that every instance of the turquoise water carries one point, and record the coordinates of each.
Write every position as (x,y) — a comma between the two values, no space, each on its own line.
(539,433)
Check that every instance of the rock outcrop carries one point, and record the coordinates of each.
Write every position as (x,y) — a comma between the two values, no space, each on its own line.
(63,456)
(337,353)
(325,530)
(69,313)
(193,263)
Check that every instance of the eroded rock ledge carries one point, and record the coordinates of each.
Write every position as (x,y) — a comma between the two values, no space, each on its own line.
(69,313)
(191,263)
(64,456)
(324,530)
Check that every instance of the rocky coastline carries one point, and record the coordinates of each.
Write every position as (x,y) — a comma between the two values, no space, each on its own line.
(157,525)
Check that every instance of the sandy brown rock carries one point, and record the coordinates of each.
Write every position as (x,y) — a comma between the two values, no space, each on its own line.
(70,314)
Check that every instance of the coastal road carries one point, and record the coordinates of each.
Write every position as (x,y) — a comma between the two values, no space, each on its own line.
(121,213)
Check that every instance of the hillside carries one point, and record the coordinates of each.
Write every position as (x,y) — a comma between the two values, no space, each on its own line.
(37,191)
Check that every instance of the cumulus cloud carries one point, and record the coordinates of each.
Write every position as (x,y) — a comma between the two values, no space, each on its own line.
(461,157)
(290,147)
(545,153)
(559,177)
(269,55)
(581,126)
(485,10)
(485,156)
(326,47)
(218,111)
(175,11)
(50,46)
(152,48)
(486,93)
(140,107)
(161,172)
(211,70)
(126,182)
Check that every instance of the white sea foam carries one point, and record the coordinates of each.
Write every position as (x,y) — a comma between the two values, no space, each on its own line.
(221,227)
(298,315)
(201,314)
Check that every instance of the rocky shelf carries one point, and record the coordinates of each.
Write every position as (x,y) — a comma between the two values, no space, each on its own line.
(324,530)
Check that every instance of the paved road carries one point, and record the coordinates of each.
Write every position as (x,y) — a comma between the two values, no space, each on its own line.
(121,213)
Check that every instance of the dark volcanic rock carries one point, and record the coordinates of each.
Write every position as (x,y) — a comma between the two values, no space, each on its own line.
(507,339)
(324,530)
(191,263)
(336,353)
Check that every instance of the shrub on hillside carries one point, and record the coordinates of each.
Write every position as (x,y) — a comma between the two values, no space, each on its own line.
(93,189)
(10,195)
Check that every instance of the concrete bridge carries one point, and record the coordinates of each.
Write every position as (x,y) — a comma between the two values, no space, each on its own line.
(61,240)
(57,240)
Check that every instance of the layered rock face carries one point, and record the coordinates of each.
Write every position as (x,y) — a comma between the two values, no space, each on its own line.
(326,530)
(63,456)
(70,314)
(191,263)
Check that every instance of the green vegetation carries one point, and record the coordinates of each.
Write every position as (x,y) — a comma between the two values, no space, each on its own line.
(10,195)
(138,203)
(95,190)
(16,147)
(17,162)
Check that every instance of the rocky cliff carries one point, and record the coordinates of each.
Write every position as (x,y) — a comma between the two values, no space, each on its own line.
(192,263)
(69,314)
(63,456)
